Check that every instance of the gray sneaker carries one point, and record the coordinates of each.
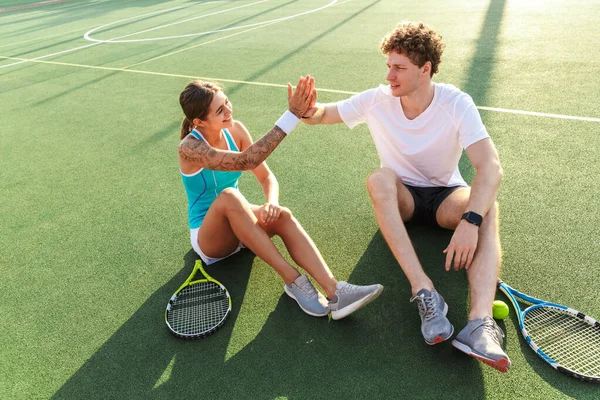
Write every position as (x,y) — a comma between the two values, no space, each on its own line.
(435,327)
(482,338)
(349,298)
(310,300)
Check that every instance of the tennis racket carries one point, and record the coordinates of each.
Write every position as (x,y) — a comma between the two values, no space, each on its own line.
(199,307)
(566,339)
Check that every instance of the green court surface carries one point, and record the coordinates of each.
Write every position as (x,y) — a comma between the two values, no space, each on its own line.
(94,233)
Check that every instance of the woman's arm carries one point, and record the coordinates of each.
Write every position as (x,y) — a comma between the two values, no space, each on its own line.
(263,173)
(270,210)
(199,154)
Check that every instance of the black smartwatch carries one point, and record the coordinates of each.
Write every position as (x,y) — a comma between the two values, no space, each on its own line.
(472,218)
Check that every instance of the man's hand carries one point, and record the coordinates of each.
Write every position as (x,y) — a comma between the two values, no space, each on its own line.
(304,97)
(312,107)
(269,213)
(462,246)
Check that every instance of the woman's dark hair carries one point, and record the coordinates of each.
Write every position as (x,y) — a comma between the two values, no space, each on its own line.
(195,101)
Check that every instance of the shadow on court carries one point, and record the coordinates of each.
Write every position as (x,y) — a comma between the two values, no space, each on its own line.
(480,72)
(376,352)
(287,57)
(477,84)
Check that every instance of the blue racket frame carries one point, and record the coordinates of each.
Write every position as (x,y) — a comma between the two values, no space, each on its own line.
(512,293)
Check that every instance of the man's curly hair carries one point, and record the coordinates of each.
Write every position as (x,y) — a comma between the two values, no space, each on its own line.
(416,41)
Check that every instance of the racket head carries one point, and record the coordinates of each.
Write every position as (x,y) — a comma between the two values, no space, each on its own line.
(199,307)
(565,338)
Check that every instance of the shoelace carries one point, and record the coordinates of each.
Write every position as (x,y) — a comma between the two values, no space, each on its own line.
(308,289)
(426,305)
(491,327)
(348,288)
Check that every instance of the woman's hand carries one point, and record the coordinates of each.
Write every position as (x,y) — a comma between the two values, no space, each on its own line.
(304,97)
(269,213)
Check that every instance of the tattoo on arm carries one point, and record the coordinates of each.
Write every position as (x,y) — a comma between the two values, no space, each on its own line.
(200,152)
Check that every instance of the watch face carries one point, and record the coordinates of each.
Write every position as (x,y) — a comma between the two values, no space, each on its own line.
(473,218)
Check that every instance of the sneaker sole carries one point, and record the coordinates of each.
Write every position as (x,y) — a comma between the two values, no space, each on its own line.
(441,339)
(349,309)
(501,365)
(300,305)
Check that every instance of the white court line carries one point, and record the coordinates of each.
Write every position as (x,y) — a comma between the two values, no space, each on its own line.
(49,55)
(212,41)
(41,38)
(55,10)
(539,114)
(113,40)
(278,85)
(55,34)
(331,4)
(199,44)
(87,34)
(95,44)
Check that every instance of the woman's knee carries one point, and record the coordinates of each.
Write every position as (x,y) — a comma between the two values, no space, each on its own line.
(230,198)
(286,214)
(381,181)
(285,221)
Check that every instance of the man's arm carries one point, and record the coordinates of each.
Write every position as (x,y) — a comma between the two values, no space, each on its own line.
(322,114)
(488,174)
(484,190)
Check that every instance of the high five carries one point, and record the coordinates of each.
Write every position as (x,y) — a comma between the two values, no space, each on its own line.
(213,152)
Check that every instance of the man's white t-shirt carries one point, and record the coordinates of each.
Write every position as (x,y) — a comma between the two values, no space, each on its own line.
(426,150)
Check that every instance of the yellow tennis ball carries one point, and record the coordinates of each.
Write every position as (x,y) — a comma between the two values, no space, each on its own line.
(499,309)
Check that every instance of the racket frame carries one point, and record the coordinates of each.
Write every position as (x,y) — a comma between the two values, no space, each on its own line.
(189,282)
(512,293)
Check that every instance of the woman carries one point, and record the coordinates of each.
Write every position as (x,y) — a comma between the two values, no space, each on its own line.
(214,149)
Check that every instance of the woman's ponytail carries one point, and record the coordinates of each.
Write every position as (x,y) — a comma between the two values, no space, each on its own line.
(186,127)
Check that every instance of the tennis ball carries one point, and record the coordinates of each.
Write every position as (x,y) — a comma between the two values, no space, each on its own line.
(499,309)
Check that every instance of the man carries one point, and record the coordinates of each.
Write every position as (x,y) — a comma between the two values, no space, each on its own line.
(420,129)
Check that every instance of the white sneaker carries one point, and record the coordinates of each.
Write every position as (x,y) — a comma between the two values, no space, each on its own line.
(310,300)
(349,298)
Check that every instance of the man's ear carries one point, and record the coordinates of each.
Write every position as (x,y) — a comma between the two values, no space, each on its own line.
(427,68)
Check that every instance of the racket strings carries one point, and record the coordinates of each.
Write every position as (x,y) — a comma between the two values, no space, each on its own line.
(198,308)
(570,341)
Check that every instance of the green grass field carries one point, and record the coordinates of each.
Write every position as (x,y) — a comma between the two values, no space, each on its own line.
(94,233)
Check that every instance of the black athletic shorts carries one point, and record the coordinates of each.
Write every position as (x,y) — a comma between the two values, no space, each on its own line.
(427,201)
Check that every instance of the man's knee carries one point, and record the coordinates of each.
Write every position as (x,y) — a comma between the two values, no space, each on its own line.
(382,182)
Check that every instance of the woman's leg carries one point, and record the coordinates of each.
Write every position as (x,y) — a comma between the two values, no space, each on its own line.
(345,298)
(302,249)
(230,220)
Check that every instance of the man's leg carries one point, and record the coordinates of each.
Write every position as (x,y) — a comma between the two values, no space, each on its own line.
(481,338)
(484,270)
(394,205)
